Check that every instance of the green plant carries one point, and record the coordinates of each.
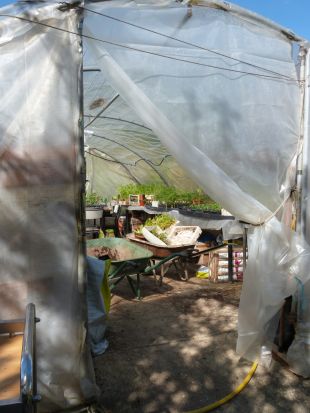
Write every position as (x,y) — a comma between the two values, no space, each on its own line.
(138,230)
(209,207)
(125,190)
(161,235)
(162,221)
(93,199)
(168,195)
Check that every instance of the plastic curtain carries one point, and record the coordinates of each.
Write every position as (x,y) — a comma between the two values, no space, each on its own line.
(120,148)
(41,258)
(233,126)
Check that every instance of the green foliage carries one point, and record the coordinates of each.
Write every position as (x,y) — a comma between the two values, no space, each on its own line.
(210,207)
(138,230)
(125,190)
(165,194)
(93,199)
(163,221)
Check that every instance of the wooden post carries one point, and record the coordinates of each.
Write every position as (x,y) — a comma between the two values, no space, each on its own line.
(245,245)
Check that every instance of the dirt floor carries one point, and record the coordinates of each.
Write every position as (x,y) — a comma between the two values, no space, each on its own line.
(174,351)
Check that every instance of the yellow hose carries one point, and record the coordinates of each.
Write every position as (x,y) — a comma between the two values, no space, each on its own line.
(230,395)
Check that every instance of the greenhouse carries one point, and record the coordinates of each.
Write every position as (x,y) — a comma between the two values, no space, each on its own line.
(141,114)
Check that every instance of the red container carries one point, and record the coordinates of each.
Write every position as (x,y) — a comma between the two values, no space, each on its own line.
(141,199)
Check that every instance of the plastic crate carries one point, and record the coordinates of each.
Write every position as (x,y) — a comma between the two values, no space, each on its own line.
(183,235)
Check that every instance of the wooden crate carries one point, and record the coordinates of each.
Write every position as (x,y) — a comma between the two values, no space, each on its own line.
(218,264)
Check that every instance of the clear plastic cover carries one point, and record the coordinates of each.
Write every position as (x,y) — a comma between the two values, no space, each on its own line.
(41,255)
(227,105)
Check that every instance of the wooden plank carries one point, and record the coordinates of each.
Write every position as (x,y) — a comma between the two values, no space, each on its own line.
(10,354)
(12,326)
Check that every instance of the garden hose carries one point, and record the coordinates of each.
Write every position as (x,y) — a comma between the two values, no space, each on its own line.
(229,396)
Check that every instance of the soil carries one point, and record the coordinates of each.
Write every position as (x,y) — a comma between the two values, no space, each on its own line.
(174,351)
(112,253)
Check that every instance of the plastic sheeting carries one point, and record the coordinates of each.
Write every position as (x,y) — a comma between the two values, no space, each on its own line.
(204,222)
(195,107)
(236,134)
(41,257)
(97,313)
(234,126)
(120,149)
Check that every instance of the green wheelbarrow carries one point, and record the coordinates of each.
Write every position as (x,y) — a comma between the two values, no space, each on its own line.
(127,260)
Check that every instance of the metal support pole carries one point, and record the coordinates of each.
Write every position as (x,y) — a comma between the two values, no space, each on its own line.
(230,261)
(302,224)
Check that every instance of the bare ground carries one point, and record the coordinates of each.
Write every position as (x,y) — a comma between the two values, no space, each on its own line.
(175,351)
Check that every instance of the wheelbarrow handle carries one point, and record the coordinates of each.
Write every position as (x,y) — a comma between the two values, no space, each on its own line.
(150,269)
(196,253)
